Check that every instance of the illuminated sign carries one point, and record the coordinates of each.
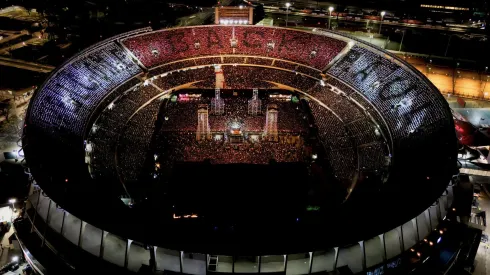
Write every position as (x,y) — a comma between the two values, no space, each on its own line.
(444,7)
(241,15)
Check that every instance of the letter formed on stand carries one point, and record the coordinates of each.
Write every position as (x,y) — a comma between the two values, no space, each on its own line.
(176,41)
(213,39)
(249,36)
(352,56)
(365,72)
(285,43)
(388,93)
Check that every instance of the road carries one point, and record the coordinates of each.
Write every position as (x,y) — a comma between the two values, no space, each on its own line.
(294,15)
(200,18)
(11,35)
(482,259)
(196,19)
(21,64)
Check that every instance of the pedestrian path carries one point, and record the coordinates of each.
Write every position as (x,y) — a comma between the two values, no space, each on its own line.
(482,259)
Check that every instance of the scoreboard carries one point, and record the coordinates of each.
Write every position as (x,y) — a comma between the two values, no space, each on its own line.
(241,15)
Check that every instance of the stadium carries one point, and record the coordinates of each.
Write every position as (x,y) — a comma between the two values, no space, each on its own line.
(238,149)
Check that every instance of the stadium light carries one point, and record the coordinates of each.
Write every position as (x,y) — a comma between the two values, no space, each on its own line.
(381,24)
(287,12)
(12,201)
(330,9)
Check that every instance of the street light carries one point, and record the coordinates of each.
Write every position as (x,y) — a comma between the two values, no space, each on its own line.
(330,9)
(381,24)
(12,201)
(449,41)
(287,12)
(403,36)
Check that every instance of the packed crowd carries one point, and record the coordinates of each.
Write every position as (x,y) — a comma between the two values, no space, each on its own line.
(165,46)
(68,98)
(372,156)
(111,123)
(340,105)
(335,138)
(134,143)
(239,77)
(362,131)
(343,163)
(405,101)
(208,61)
(184,147)
(233,60)
(172,67)
(330,128)
(259,61)
(285,65)
(176,138)
(182,116)
(171,80)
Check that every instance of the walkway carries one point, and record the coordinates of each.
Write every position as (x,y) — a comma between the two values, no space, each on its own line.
(20,64)
(9,250)
(482,260)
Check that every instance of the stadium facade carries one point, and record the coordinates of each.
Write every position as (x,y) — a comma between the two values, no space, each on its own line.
(376,117)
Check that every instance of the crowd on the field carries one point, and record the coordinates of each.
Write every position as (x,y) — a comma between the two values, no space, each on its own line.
(182,116)
(185,147)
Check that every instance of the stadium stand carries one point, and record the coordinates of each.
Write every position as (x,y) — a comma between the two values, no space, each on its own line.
(165,46)
(68,96)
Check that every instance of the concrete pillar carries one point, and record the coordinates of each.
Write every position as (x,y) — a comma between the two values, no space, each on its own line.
(430,219)
(336,258)
(402,242)
(126,255)
(153,258)
(102,238)
(383,245)
(439,208)
(259,259)
(35,210)
(310,263)
(181,261)
(46,223)
(63,222)
(82,227)
(415,223)
(216,15)
(363,250)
